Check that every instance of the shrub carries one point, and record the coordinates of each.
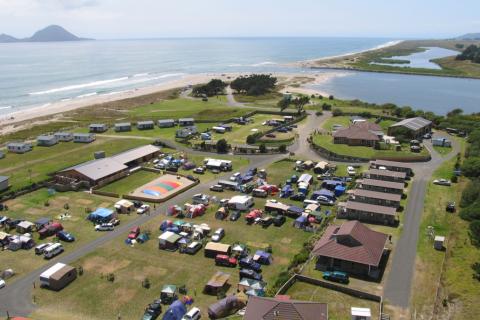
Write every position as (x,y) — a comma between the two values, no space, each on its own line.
(251,139)
(475,232)
(476,270)
(471,212)
(470,194)
(331,97)
(337,112)
(146,283)
(263,148)
(111,277)
(282,148)
(222,146)
(454,178)
(318,113)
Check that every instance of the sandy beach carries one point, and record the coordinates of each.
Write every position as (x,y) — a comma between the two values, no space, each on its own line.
(18,120)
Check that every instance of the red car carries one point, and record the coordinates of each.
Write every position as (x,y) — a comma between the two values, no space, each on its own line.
(50,230)
(226,261)
(252,215)
(134,233)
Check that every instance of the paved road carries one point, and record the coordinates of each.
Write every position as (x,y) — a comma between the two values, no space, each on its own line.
(398,286)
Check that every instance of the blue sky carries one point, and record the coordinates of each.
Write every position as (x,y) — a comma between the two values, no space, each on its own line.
(113,19)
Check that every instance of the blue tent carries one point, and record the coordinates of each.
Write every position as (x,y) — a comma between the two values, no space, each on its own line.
(101,215)
(287,191)
(294,210)
(300,222)
(262,257)
(339,190)
(331,184)
(176,311)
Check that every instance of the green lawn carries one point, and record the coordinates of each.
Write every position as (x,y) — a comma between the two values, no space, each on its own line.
(130,183)
(34,166)
(442,150)
(345,122)
(32,207)
(348,106)
(326,141)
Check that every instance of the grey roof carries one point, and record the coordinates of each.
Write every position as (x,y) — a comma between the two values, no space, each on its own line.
(123,124)
(46,137)
(387,173)
(18,144)
(413,123)
(377,195)
(372,208)
(98,169)
(186,119)
(98,125)
(383,183)
(134,154)
(63,133)
(166,121)
(3,178)
(147,122)
(83,134)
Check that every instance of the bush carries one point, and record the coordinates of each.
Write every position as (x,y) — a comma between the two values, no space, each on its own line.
(263,148)
(111,277)
(470,194)
(475,232)
(454,178)
(337,112)
(282,148)
(255,84)
(476,270)
(331,97)
(222,146)
(251,139)
(146,283)
(326,107)
(318,113)
(471,212)
(471,167)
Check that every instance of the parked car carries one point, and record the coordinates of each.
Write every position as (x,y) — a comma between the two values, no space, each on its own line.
(279,220)
(235,176)
(249,263)
(451,207)
(41,247)
(2,283)
(104,227)
(235,215)
(270,135)
(200,198)
(193,247)
(216,188)
(351,171)
(115,222)
(137,204)
(134,233)
(192,314)
(192,178)
(427,136)
(171,169)
(298,197)
(442,182)
(218,235)
(65,236)
(250,274)
(153,310)
(143,209)
(266,221)
(226,261)
(336,276)
(325,201)
(199,170)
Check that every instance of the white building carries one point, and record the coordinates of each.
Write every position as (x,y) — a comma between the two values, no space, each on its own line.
(242,202)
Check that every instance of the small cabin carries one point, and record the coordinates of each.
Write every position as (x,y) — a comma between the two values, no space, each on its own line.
(64,136)
(4,183)
(145,125)
(46,140)
(97,127)
(19,147)
(439,243)
(123,127)
(83,137)
(166,123)
(185,122)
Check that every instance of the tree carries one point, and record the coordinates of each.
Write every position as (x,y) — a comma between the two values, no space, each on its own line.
(262,148)
(471,213)
(282,148)
(212,88)
(337,112)
(251,139)
(454,113)
(475,232)
(326,107)
(470,194)
(254,85)
(284,103)
(471,167)
(300,103)
(222,146)
(331,97)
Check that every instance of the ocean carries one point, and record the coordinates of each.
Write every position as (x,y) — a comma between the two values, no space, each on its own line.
(36,74)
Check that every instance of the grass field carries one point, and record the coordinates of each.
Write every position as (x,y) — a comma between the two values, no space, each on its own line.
(339,304)
(90,295)
(130,183)
(32,207)
(35,166)
(442,150)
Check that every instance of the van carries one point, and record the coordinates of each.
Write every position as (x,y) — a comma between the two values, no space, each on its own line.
(53,250)
(193,314)
(259,193)
(306,202)
(41,248)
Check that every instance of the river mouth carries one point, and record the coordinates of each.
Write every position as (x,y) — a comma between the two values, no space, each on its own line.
(421,60)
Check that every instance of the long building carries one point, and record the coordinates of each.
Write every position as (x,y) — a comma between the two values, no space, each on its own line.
(386,175)
(381,186)
(377,198)
(366,212)
(103,171)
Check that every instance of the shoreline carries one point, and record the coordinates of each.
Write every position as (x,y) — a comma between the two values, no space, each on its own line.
(22,119)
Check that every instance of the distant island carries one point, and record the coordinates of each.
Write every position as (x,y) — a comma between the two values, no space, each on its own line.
(49,34)
(470,36)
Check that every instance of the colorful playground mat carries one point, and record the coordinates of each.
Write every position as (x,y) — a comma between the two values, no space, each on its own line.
(161,188)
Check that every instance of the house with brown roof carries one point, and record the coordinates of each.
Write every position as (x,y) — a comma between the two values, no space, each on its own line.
(363,133)
(392,166)
(386,175)
(381,186)
(260,308)
(352,248)
(377,198)
(366,212)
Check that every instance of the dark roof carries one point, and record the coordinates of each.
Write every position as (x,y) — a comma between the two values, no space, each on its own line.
(377,195)
(359,131)
(371,208)
(413,123)
(388,163)
(382,183)
(387,173)
(260,308)
(352,241)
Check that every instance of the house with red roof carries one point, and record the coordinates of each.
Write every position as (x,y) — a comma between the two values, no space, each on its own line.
(352,248)
(363,133)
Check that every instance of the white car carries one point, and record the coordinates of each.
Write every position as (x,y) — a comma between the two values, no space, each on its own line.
(2,283)
(104,227)
(351,171)
(143,209)
(235,176)
(193,314)
(218,235)
(442,182)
